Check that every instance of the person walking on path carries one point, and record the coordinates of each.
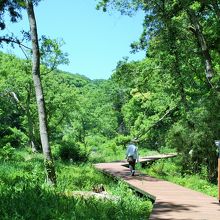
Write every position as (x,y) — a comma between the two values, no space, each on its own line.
(132,155)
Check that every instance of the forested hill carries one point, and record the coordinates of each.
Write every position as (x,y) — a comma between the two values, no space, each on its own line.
(77,107)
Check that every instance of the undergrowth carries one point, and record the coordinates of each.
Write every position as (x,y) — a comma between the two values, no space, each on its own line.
(24,195)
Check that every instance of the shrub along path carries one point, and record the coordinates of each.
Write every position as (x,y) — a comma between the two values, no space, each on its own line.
(171,201)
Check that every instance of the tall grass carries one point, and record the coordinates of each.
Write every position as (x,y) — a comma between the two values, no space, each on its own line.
(24,195)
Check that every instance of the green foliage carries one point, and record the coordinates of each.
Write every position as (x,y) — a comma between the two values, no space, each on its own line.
(12,93)
(157,114)
(51,53)
(107,151)
(21,189)
(170,103)
(72,152)
(93,120)
(7,152)
(77,108)
(122,140)
(165,100)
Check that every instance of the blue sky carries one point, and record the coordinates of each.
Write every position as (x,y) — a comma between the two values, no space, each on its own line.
(95,41)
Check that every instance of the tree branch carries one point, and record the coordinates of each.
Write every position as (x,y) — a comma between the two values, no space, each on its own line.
(158,121)
(8,40)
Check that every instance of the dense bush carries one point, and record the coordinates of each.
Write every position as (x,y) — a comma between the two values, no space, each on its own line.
(72,152)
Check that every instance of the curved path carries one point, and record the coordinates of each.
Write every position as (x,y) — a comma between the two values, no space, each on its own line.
(172,201)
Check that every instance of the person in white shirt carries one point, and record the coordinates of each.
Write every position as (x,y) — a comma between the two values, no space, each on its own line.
(132,155)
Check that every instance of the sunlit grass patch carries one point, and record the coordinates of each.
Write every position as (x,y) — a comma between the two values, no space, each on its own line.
(25,195)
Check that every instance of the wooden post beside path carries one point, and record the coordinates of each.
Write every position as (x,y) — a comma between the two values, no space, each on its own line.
(219,181)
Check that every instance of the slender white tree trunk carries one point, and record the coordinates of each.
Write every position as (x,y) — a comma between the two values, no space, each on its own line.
(49,165)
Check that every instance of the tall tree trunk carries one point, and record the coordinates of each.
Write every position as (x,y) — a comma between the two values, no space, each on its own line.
(202,42)
(49,165)
(30,121)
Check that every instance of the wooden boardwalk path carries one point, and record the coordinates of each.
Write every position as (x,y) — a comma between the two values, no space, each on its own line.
(172,201)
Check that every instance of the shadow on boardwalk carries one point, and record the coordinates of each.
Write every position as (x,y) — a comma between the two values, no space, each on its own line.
(172,211)
(169,206)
